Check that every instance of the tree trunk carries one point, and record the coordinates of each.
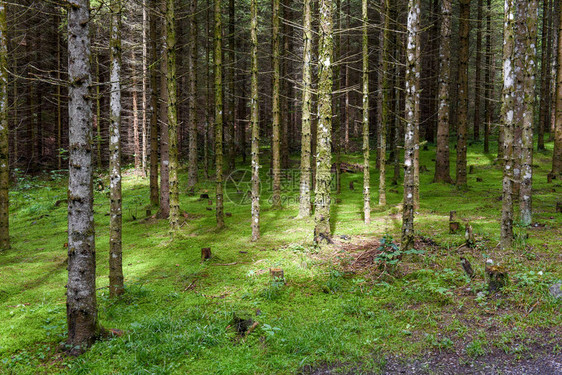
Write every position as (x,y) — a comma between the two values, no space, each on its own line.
(136,135)
(254,120)
(218,114)
(508,124)
(164,211)
(386,101)
(442,166)
(81,305)
(231,107)
(464,54)
(304,201)
(276,107)
(527,32)
(115,218)
(4,133)
(172,84)
(488,78)
(192,77)
(478,69)
(144,85)
(412,96)
(366,147)
(557,155)
(154,195)
(324,131)
(546,51)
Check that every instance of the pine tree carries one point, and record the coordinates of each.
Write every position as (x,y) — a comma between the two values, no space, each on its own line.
(412,96)
(4,134)
(305,177)
(81,305)
(464,55)
(254,120)
(115,196)
(557,155)
(366,156)
(172,114)
(192,78)
(324,132)
(276,107)
(218,114)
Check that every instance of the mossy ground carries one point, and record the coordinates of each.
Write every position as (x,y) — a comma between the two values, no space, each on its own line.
(176,309)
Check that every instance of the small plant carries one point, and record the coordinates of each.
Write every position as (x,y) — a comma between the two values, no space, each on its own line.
(390,254)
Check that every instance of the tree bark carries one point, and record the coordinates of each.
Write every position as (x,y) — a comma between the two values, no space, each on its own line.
(366,147)
(254,120)
(305,177)
(192,77)
(412,96)
(324,132)
(276,107)
(442,166)
(508,124)
(115,215)
(488,78)
(4,133)
(464,54)
(81,305)
(154,196)
(386,101)
(557,155)
(172,84)
(218,114)
(546,51)
(478,69)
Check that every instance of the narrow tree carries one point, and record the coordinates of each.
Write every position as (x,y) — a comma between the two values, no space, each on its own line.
(412,96)
(366,156)
(254,120)
(508,124)
(557,156)
(115,217)
(304,206)
(192,78)
(172,114)
(546,50)
(81,305)
(478,70)
(218,114)
(442,167)
(386,101)
(464,54)
(136,135)
(527,34)
(4,134)
(488,78)
(276,107)
(154,196)
(144,85)
(324,131)
(164,210)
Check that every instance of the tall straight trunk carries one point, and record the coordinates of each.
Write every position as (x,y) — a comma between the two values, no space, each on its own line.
(488,78)
(164,211)
(464,33)
(144,85)
(527,33)
(218,114)
(478,70)
(336,121)
(115,215)
(554,64)
(442,166)
(59,99)
(192,77)
(412,96)
(546,51)
(347,80)
(208,89)
(97,116)
(397,121)
(254,121)
(304,201)
(231,107)
(172,114)
(508,124)
(276,106)
(136,135)
(386,101)
(557,155)
(366,147)
(81,305)
(4,132)
(324,131)
(154,194)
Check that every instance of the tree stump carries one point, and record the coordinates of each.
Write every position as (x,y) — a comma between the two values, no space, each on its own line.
(469,235)
(205,253)
(277,274)
(454,225)
(471,169)
(479,179)
(351,185)
(497,277)
(204,196)
(467,267)
(228,214)
(559,207)
(148,212)
(210,203)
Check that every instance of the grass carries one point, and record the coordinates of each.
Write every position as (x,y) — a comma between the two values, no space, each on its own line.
(176,309)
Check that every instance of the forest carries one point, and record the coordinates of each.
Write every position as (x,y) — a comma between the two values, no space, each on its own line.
(281,187)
